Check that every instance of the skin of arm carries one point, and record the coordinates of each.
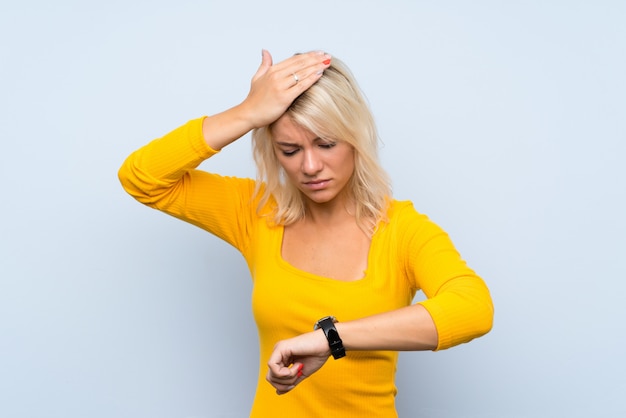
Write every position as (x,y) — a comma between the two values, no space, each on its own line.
(273,89)
(406,329)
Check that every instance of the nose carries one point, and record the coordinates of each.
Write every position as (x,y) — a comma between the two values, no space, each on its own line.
(311,163)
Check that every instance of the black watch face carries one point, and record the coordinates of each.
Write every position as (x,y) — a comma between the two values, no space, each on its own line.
(318,324)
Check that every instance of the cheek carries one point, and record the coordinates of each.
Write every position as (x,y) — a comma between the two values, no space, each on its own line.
(347,161)
(281,160)
(288,165)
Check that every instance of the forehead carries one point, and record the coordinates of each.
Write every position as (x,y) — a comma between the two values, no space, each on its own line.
(285,129)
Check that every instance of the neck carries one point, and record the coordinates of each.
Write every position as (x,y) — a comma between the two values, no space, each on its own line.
(328,213)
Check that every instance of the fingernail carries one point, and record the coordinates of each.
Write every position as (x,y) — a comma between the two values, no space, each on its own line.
(326,62)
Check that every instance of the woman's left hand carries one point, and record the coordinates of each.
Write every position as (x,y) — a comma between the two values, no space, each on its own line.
(295,359)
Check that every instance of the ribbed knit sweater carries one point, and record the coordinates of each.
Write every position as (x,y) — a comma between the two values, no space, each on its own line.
(407,254)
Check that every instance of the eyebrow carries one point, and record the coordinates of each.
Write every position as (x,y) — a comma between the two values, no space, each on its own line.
(291,144)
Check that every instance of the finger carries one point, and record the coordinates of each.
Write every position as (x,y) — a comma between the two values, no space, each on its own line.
(282,390)
(302,64)
(284,376)
(284,387)
(281,376)
(308,73)
(266,64)
(277,369)
(299,61)
(282,384)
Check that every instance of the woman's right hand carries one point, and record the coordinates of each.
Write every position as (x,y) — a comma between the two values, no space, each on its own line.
(273,89)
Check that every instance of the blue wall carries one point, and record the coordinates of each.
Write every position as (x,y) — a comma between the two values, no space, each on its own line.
(503,121)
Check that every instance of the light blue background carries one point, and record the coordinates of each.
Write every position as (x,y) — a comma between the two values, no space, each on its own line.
(502,120)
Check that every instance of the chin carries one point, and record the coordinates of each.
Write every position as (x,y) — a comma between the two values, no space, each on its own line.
(321,198)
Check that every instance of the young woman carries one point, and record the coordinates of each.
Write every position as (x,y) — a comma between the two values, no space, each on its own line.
(335,260)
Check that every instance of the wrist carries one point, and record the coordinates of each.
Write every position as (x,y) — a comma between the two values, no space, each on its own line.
(322,342)
(245,114)
(226,127)
(335,344)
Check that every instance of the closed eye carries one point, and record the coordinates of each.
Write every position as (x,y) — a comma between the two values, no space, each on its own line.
(327,145)
(289,153)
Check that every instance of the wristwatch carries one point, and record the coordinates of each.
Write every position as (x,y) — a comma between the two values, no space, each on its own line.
(327,324)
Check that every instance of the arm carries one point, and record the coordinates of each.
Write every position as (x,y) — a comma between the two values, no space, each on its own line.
(406,329)
(272,91)
(458,307)
(146,174)
(163,173)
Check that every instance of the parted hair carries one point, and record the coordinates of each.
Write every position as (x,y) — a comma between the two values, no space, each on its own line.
(333,108)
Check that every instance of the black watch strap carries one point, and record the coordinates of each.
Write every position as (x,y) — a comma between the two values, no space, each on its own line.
(327,324)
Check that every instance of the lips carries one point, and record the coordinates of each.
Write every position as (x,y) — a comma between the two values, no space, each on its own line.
(316,184)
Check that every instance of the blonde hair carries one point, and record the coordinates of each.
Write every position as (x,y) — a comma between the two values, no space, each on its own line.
(334,108)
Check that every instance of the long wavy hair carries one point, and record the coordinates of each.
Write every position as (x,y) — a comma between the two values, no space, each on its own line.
(334,108)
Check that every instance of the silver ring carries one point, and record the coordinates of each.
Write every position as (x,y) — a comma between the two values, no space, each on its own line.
(295,77)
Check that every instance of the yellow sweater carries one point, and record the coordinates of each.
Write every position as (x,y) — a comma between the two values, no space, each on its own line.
(408,254)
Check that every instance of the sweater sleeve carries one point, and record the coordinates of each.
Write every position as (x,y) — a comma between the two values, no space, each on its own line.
(163,175)
(457,298)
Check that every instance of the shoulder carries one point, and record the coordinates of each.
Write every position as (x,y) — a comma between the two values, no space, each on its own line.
(408,222)
(404,210)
